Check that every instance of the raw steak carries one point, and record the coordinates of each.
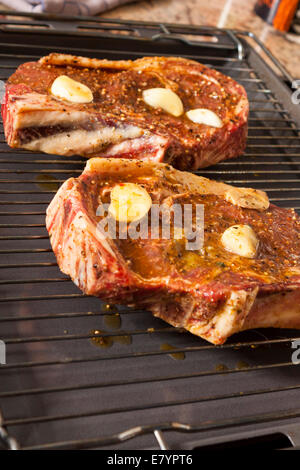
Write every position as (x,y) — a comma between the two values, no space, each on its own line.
(211,292)
(118,122)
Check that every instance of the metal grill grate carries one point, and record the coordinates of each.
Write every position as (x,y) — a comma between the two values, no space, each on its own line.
(61,390)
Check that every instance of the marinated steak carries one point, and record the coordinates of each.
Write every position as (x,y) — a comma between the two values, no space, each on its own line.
(249,278)
(118,121)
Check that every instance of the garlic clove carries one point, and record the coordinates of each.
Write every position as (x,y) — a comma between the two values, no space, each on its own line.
(204,116)
(129,202)
(240,240)
(165,99)
(66,88)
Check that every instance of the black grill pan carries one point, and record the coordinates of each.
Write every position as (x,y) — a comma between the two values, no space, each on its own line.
(58,388)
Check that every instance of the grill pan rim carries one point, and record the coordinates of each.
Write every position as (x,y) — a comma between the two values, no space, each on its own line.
(241,48)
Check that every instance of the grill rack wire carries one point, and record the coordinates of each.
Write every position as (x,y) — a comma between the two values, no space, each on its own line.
(28,181)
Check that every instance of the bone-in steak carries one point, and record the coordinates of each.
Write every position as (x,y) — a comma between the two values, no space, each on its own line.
(118,122)
(212,291)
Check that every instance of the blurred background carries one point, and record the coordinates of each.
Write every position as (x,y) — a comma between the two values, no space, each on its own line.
(283,40)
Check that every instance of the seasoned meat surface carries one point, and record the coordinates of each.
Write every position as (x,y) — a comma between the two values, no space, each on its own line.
(118,122)
(210,291)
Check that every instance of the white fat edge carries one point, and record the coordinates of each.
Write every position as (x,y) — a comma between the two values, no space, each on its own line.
(227,320)
(78,265)
(54,215)
(199,73)
(35,101)
(84,266)
(55,237)
(211,79)
(80,221)
(54,206)
(42,118)
(80,279)
(82,141)
(135,144)
(74,264)
(204,76)
(86,62)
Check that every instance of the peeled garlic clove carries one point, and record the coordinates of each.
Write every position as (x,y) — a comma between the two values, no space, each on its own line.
(248,198)
(65,88)
(204,116)
(129,202)
(165,99)
(240,240)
